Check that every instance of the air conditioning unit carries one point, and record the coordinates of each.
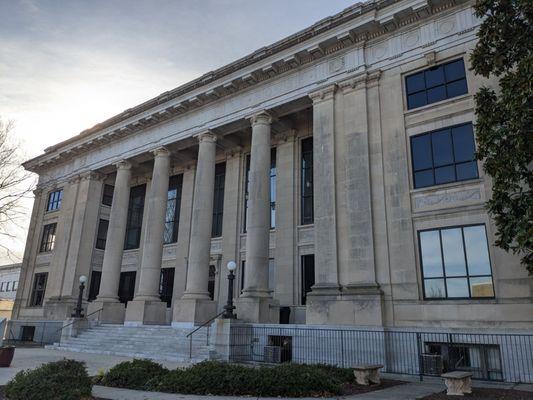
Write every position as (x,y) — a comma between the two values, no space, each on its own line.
(272,354)
(431,364)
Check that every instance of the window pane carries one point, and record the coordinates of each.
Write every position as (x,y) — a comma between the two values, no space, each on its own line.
(424,178)
(456,88)
(415,83)
(431,255)
(416,100)
(454,70)
(434,288)
(442,148)
(463,143)
(477,253)
(444,174)
(457,287)
(482,287)
(434,76)
(436,94)
(466,171)
(452,248)
(421,148)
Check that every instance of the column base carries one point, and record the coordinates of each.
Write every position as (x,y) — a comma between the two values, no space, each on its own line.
(357,304)
(145,312)
(112,311)
(191,312)
(257,310)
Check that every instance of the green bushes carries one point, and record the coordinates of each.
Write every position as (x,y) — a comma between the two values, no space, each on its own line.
(133,374)
(61,380)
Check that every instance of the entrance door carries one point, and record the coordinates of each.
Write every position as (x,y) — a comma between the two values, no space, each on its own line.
(126,287)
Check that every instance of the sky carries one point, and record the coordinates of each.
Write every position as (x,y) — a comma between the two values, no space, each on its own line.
(66,65)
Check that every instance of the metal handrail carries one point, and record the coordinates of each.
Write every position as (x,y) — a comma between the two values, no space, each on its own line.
(189,335)
(73,322)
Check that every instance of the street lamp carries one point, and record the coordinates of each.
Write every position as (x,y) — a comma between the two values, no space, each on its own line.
(78,311)
(229,307)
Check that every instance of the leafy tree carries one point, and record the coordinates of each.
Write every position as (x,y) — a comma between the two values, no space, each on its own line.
(505,121)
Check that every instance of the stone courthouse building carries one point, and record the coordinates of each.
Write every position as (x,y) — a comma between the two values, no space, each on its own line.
(336,167)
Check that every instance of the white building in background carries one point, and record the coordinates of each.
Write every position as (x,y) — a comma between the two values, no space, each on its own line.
(336,167)
(9,281)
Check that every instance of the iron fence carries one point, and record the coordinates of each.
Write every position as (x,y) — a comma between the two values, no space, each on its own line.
(494,357)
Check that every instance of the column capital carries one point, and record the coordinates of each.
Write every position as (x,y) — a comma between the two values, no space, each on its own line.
(123,164)
(206,136)
(92,175)
(323,94)
(262,117)
(161,152)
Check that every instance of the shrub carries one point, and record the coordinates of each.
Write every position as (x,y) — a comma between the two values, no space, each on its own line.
(60,380)
(134,374)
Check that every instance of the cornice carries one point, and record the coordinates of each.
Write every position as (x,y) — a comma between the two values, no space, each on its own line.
(370,20)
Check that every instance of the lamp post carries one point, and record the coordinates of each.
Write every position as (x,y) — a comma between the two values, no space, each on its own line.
(229,307)
(78,311)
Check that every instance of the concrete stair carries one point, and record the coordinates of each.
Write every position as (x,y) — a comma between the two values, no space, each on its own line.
(147,341)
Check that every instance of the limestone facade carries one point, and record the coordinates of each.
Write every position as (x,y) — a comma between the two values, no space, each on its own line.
(341,82)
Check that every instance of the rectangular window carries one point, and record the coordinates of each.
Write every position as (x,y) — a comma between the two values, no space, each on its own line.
(307,182)
(273,172)
(49,238)
(54,200)
(94,288)
(7,286)
(211,281)
(173,209)
(107,197)
(166,285)
(308,275)
(218,200)
(455,263)
(135,217)
(15,285)
(243,267)
(444,156)
(2,286)
(39,287)
(126,286)
(437,83)
(101,237)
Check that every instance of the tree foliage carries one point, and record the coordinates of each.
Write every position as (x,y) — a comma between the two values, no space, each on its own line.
(504,119)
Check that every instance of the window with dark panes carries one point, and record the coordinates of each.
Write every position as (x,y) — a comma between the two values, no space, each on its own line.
(107,197)
(218,200)
(39,287)
(436,83)
(126,286)
(101,236)
(54,200)
(243,267)
(308,275)
(172,218)
(444,156)
(307,182)
(166,285)
(135,217)
(48,239)
(211,281)
(456,263)
(94,287)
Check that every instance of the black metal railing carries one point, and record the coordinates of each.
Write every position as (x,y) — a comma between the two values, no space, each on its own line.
(205,324)
(494,357)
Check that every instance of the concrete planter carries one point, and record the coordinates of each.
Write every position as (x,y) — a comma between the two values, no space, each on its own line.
(6,355)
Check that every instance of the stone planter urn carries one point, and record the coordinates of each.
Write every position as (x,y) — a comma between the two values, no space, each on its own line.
(6,355)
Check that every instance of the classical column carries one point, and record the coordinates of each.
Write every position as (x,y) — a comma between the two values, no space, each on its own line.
(256,298)
(113,311)
(195,305)
(146,306)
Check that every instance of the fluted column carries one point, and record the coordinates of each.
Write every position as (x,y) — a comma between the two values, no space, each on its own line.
(202,220)
(115,235)
(155,227)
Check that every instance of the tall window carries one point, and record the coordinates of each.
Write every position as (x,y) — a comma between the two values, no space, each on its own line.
(307,182)
(172,218)
(272,189)
(166,285)
(443,156)
(211,280)
(436,83)
(101,236)
(48,239)
(456,263)
(107,197)
(94,287)
(126,286)
(135,217)
(218,201)
(54,200)
(39,287)
(308,275)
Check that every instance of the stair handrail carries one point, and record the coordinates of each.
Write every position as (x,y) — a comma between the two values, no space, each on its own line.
(189,335)
(74,321)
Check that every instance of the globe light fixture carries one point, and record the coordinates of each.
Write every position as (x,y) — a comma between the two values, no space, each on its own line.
(78,311)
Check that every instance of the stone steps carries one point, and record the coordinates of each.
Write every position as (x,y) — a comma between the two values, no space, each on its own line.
(153,342)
